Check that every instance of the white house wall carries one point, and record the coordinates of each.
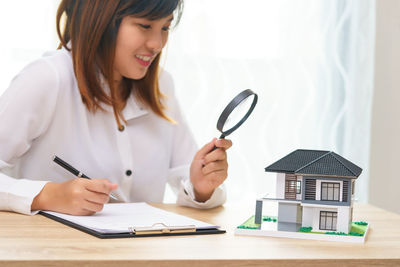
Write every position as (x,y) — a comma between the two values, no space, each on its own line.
(318,188)
(344,219)
(280,185)
(307,219)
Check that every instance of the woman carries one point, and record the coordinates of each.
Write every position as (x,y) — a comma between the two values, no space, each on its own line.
(101,104)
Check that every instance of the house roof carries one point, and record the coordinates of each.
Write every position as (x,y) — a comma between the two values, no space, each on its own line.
(315,162)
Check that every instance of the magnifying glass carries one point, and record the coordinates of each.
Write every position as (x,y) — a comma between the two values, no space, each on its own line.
(236,112)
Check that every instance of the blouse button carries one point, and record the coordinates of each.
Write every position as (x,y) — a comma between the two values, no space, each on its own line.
(128,173)
(122,128)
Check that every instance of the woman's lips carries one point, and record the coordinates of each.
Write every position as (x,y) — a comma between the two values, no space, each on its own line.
(144,60)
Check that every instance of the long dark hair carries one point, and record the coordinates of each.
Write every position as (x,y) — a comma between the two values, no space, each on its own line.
(91,27)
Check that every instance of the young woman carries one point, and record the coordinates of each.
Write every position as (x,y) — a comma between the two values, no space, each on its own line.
(101,103)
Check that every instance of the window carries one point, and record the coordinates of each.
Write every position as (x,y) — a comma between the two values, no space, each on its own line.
(298,188)
(330,191)
(291,186)
(327,220)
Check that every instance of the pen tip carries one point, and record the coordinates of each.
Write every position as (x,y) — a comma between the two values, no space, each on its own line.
(54,157)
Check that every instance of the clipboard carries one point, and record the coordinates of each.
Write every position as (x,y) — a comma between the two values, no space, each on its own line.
(188,227)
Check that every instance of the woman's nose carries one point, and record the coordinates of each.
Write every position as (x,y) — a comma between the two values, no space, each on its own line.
(156,42)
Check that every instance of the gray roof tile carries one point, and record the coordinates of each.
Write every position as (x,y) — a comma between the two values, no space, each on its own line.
(315,162)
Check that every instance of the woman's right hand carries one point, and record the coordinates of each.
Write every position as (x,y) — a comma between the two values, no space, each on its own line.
(76,196)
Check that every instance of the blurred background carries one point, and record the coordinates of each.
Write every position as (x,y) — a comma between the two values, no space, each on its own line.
(325,73)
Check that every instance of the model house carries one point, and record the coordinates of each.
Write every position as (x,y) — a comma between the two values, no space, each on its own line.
(313,189)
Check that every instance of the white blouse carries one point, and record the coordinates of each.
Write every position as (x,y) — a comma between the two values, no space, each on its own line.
(42,115)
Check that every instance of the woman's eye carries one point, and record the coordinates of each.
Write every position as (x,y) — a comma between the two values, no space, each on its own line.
(145,26)
(165,28)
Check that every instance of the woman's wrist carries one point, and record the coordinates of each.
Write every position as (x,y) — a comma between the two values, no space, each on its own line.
(42,201)
(202,196)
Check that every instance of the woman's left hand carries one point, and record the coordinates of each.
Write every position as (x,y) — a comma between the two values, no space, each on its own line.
(209,169)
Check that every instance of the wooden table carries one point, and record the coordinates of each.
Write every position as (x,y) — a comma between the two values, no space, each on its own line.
(36,240)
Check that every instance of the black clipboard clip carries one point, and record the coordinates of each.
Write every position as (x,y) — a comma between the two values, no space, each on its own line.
(161,228)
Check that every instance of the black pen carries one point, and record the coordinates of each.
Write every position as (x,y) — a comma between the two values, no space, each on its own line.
(74,171)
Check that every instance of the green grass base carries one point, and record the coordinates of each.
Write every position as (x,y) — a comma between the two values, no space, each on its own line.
(355,230)
(359,229)
(250,224)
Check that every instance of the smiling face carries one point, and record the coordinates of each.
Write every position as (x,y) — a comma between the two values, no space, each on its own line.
(139,41)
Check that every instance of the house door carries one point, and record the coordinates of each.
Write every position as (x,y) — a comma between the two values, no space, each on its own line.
(290,186)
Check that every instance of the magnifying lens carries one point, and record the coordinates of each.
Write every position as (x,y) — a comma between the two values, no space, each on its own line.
(236,112)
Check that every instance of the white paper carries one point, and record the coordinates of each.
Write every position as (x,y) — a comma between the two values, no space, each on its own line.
(119,217)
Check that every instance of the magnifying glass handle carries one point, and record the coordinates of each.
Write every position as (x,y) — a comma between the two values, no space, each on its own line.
(215,147)
(221,137)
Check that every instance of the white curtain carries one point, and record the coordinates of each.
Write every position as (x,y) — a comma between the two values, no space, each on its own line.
(310,62)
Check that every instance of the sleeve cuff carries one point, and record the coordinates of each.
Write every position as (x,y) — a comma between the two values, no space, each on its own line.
(21,195)
(186,196)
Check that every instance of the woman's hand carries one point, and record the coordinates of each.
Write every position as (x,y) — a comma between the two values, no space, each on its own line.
(76,197)
(209,169)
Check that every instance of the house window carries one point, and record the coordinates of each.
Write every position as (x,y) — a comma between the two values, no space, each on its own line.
(291,186)
(327,220)
(298,187)
(330,191)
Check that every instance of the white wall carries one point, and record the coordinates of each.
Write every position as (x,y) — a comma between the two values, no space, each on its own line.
(385,132)
(307,219)
(280,185)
